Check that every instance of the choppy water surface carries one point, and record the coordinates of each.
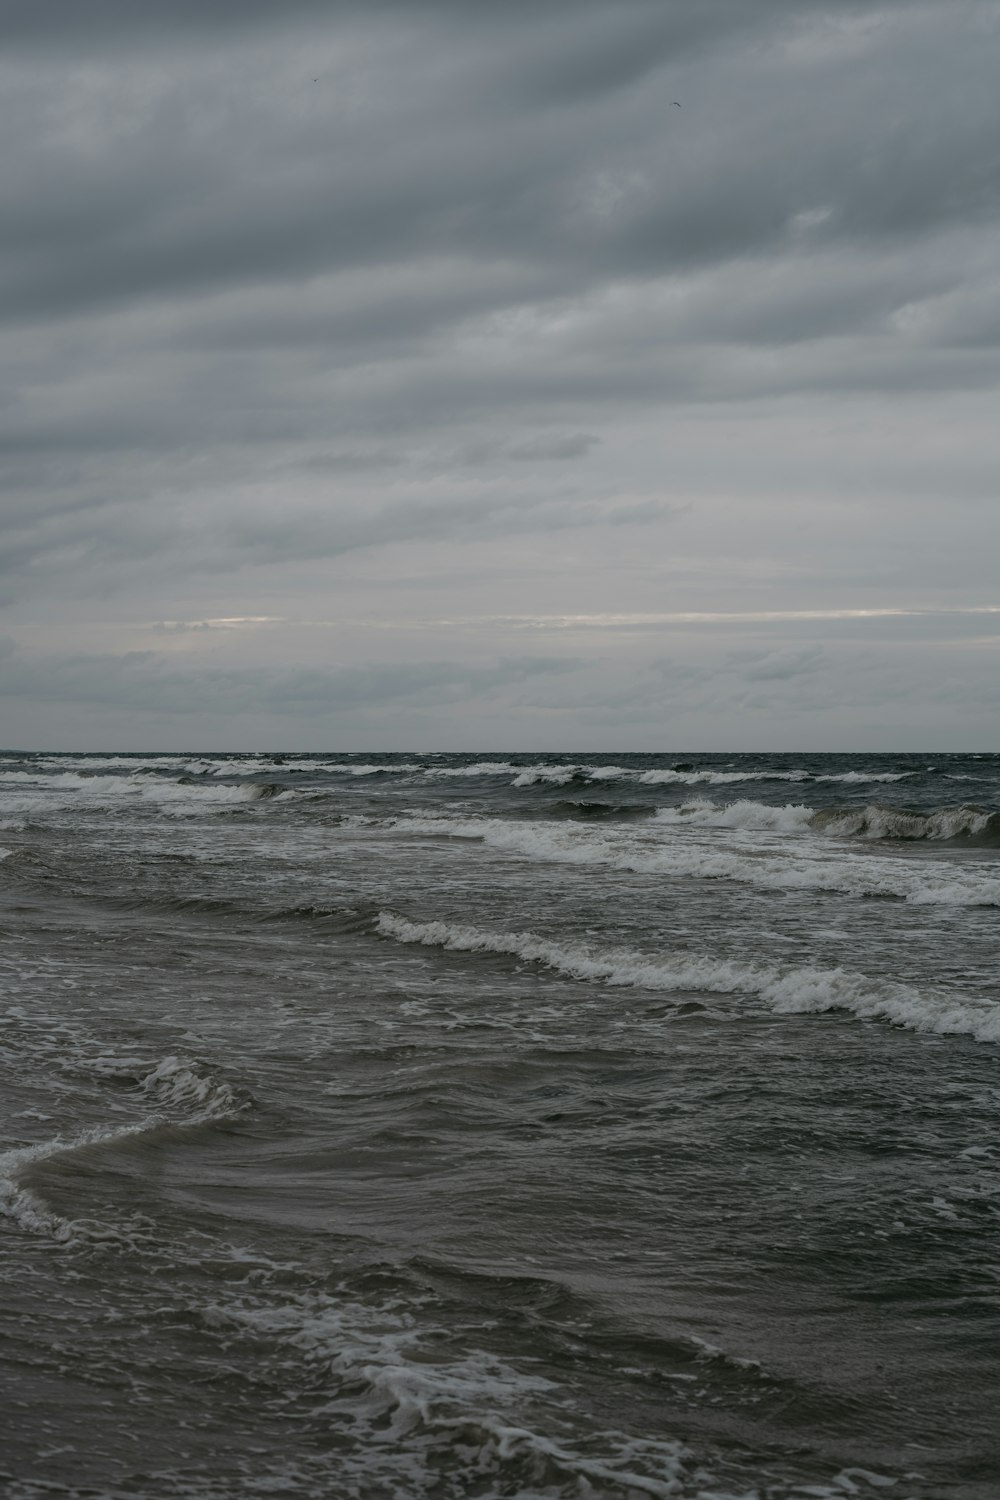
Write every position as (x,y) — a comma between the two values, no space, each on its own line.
(534,1126)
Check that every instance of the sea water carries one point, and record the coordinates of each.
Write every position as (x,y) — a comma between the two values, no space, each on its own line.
(500,1125)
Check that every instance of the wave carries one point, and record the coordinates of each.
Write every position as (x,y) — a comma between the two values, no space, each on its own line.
(789,818)
(966,824)
(194,765)
(716,778)
(349,768)
(183,1092)
(72,788)
(123,776)
(586,812)
(47,764)
(480,768)
(786,990)
(800,868)
(685,775)
(858,777)
(387,1378)
(562,775)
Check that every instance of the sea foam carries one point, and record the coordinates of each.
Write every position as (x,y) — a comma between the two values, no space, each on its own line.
(183,1093)
(786,990)
(390,1379)
(771,868)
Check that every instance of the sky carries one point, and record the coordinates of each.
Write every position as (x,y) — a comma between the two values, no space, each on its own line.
(545,375)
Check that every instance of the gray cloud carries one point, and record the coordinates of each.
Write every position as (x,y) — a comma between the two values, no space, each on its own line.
(145,681)
(286,288)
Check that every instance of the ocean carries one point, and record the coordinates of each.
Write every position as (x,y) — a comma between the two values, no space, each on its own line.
(500,1125)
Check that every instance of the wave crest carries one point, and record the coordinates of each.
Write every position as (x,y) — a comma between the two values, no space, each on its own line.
(183,1093)
(804,866)
(786,990)
(966,823)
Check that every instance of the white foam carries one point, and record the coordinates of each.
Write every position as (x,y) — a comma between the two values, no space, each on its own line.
(172,1084)
(553,775)
(47,763)
(30,1214)
(786,990)
(71,788)
(772,868)
(480,768)
(559,775)
(790,818)
(198,794)
(863,776)
(872,822)
(716,778)
(177,1083)
(392,1379)
(876,822)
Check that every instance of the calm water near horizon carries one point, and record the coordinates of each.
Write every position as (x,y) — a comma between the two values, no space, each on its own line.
(500,1125)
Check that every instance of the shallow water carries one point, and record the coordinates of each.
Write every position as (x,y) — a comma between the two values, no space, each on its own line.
(500,1126)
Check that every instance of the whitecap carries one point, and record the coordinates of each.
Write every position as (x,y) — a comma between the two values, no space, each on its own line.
(183,1092)
(787,818)
(775,868)
(786,990)
(852,777)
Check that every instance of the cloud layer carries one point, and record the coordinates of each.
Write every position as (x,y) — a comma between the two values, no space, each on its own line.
(316,310)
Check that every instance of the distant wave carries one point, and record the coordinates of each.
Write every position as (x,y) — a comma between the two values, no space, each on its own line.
(859,777)
(51,770)
(786,990)
(67,788)
(556,775)
(790,867)
(965,824)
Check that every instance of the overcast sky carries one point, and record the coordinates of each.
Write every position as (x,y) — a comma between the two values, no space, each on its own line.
(500,374)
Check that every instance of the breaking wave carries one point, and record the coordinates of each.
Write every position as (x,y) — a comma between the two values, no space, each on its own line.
(966,824)
(790,818)
(182,1092)
(176,795)
(786,990)
(802,867)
